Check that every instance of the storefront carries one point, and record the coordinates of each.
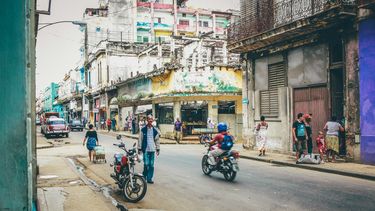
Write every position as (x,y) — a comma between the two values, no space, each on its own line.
(194,115)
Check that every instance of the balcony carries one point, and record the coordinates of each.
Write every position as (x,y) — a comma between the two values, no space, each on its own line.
(267,23)
(367,4)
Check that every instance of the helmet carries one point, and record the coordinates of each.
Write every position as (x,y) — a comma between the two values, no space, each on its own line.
(221,127)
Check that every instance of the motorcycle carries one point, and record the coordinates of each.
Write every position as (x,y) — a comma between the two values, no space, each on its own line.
(227,163)
(133,185)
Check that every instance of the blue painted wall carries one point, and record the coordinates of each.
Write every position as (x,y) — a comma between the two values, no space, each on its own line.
(367,89)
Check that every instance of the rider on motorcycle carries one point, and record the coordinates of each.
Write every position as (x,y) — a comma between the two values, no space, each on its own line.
(218,139)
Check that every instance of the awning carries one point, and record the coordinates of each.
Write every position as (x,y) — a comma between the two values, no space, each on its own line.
(143,108)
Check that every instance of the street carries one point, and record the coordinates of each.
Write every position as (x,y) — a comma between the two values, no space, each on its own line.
(181,185)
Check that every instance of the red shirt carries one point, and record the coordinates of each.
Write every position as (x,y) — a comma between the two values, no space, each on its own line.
(219,138)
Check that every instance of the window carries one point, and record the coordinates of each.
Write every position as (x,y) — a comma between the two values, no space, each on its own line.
(159,20)
(139,38)
(200,23)
(145,39)
(164,113)
(184,22)
(227,107)
(269,99)
(205,23)
(183,14)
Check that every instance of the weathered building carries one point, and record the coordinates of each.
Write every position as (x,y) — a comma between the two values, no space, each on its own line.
(299,56)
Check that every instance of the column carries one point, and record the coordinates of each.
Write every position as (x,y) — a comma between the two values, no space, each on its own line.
(177,110)
(213,111)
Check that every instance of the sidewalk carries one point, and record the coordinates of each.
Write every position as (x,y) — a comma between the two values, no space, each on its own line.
(342,168)
(60,187)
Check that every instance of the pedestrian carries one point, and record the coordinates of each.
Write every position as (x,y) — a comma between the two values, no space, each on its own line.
(261,137)
(299,136)
(113,124)
(92,141)
(102,124)
(149,144)
(177,130)
(142,123)
(321,143)
(332,137)
(109,122)
(134,122)
(307,119)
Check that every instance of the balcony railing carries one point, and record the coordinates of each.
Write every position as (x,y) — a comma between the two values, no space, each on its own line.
(365,3)
(265,15)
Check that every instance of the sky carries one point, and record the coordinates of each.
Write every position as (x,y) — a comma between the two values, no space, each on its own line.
(57,48)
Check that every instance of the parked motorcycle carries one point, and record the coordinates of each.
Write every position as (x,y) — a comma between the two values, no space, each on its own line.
(133,185)
(227,163)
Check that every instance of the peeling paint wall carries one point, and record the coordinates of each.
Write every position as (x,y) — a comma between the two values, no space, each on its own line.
(367,89)
(351,108)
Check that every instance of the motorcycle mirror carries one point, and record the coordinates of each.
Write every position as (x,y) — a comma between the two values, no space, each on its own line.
(118,137)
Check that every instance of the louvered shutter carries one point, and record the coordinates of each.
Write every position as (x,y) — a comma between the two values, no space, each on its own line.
(269,99)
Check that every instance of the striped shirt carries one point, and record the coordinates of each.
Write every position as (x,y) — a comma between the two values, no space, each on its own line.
(150,140)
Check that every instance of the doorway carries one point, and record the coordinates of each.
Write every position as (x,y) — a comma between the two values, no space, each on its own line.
(312,100)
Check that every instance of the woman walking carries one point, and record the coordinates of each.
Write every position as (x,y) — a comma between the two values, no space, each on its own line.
(332,137)
(92,141)
(261,137)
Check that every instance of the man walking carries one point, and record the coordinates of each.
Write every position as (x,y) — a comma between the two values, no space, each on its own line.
(299,136)
(177,130)
(149,144)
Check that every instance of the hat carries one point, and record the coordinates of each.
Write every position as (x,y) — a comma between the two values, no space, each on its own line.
(306,116)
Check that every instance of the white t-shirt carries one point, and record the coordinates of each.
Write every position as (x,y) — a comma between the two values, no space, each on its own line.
(333,128)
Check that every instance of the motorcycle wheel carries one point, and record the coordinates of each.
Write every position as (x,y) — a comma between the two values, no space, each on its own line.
(136,193)
(230,175)
(205,166)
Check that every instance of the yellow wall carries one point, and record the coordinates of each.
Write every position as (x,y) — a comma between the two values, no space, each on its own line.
(225,80)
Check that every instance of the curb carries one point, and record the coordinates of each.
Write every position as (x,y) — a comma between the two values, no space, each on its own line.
(45,147)
(310,167)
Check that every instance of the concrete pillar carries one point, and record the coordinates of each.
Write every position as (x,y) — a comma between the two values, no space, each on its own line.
(177,110)
(152,23)
(213,111)
(197,24)
(351,108)
(248,107)
(214,24)
(175,11)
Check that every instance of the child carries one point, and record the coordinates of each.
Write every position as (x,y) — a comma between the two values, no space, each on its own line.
(321,145)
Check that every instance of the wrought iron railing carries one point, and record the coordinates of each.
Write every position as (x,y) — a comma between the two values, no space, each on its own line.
(366,2)
(264,15)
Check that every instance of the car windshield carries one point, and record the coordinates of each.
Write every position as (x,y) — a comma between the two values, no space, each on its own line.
(76,122)
(57,122)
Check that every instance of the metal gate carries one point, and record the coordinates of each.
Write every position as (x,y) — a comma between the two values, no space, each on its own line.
(312,100)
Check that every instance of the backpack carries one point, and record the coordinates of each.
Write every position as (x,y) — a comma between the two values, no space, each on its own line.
(227,143)
(301,130)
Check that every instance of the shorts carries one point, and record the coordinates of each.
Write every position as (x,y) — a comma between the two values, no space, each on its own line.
(300,144)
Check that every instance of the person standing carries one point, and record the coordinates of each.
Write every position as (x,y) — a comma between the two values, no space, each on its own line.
(113,124)
(134,123)
(332,137)
(108,122)
(321,143)
(149,144)
(92,141)
(261,137)
(307,119)
(177,130)
(299,136)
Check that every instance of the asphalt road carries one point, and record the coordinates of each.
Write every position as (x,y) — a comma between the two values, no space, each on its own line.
(181,185)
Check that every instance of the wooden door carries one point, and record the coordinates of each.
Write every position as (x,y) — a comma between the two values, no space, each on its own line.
(312,100)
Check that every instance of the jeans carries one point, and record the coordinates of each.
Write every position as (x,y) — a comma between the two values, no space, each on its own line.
(148,167)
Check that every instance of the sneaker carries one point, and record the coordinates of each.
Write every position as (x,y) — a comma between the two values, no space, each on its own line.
(150,182)
(322,162)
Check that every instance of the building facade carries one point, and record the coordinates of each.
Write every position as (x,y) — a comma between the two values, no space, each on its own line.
(299,57)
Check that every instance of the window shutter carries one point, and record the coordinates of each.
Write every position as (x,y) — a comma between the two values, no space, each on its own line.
(269,99)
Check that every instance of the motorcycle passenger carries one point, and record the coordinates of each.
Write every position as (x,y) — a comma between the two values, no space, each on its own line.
(224,143)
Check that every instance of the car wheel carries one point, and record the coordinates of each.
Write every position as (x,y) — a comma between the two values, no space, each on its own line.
(67,135)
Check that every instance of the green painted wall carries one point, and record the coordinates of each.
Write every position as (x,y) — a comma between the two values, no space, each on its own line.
(16,140)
